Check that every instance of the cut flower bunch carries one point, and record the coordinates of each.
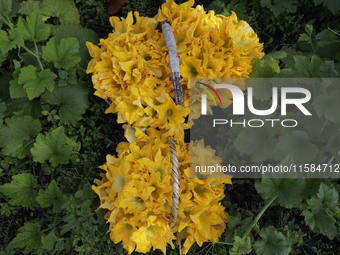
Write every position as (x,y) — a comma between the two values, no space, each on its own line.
(131,70)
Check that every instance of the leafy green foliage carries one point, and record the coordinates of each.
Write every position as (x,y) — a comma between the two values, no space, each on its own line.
(35,82)
(33,28)
(278,7)
(22,190)
(297,146)
(51,196)
(240,246)
(332,5)
(17,135)
(9,43)
(5,7)
(328,105)
(67,208)
(49,241)
(288,191)
(319,221)
(62,54)
(64,10)
(82,34)
(29,237)
(273,242)
(52,147)
(72,107)
(258,143)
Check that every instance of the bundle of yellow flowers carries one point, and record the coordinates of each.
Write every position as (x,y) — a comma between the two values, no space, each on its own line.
(137,192)
(131,70)
(131,67)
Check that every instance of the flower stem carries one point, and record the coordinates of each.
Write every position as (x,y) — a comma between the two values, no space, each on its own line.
(252,225)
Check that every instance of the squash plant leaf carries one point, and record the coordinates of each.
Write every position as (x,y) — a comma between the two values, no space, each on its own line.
(28,107)
(65,10)
(320,222)
(289,191)
(17,135)
(51,196)
(49,241)
(257,142)
(62,54)
(332,5)
(326,197)
(82,34)
(29,6)
(72,222)
(328,105)
(10,42)
(327,69)
(5,7)
(52,147)
(17,90)
(72,107)
(21,189)
(29,236)
(35,82)
(298,146)
(34,28)
(273,242)
(240,246)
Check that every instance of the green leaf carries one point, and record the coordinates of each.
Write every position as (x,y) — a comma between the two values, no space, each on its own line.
(326,195)
(306,68)
(327,70)
(320,222)
(262,89)
(72,222)
(82,34)
(276,55)
(278,7)
(34,28)
(297,146)
(273,242)
(326,37)
(62,54)
(72,107)
(52,147)
(29,6)
(2,112)
(240,246)
(16,136)
(257,142)
(29,236)
(21,189)
(328,105)
(9,43)
(5,7)
(51,196)
(332,5)
(17,90)
(65,10)
(264,69)
(28,107)
(49,241)
(289,191)
(35,82)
